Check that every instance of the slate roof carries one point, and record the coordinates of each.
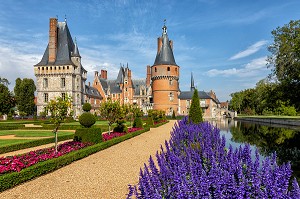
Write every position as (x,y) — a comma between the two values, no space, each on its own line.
(91,91)
(113,86)
(65,49)
(137,83)
(165,55)
(189,95)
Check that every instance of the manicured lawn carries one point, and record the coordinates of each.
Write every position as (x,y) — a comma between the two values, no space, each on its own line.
(97,123)
(12,142)
(32,133)
(271,116)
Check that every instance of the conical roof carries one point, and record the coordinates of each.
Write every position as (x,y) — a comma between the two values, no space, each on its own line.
(165,55)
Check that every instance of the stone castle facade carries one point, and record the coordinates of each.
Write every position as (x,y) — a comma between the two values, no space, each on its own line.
(60,73)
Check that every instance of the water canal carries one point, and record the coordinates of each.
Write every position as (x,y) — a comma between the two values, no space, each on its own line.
(285,140)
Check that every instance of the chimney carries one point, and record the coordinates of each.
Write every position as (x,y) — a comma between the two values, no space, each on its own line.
(52,40)
(129,74)
(159,44)
(148,78)
(171,44)
(104,74)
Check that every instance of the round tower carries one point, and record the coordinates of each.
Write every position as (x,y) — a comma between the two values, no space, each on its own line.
(165,76)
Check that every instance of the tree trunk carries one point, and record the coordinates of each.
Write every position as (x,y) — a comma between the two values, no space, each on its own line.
(109,129)
(55,131)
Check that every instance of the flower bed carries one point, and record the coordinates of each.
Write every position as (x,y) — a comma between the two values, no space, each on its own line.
(196,164)
(19,162)
(109,136)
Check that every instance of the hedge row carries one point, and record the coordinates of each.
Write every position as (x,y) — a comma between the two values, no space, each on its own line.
(10,180)
(15,147)
(92,135)
(159,124)
(10,126)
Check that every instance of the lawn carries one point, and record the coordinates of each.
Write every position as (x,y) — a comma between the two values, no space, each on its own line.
(33,133)
(12,142)
(270,117)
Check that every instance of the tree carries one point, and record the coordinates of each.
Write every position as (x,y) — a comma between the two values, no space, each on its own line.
(4,81)
(111,111)
(195,114)
(7,101)
(60,109)
(285,60)
(24,93)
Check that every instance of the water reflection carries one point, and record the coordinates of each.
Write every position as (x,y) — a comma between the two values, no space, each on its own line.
(284,140)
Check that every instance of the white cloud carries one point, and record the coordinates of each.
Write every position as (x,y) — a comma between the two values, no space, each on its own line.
(250,69)
(250,50)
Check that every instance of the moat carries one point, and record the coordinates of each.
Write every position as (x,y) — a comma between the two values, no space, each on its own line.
(285,140)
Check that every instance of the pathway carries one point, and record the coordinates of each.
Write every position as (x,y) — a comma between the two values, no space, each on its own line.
(105,174)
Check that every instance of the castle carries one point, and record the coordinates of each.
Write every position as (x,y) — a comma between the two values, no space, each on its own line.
(60,73)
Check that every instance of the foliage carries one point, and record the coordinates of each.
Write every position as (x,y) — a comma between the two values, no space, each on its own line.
(285,60)
(173,115)
(284,109)
(33,143)
(10,180)
(90,135)
(157,115)
(86,107)
(111,111)
(7,101)
(196,164)
(115,134)
(24,94)
(4,81)
(150,121)
(138,123)
(18,162)
(60,109)
(121,127)
(87,119)
(195,113)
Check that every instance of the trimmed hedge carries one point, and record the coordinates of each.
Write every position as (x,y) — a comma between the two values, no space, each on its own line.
(159,124)
(10,180)
(93,135)
(138,123)
(34,143)
(11,126)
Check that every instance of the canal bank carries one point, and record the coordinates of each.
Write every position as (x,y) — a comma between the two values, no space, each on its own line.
(269,120)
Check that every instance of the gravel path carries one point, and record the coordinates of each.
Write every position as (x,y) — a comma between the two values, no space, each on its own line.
(105,174)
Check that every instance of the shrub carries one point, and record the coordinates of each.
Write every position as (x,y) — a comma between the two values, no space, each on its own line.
(92,135)
(137,123)
(150,121)
(86,107)
(87,119)
(121,127)
(173,115)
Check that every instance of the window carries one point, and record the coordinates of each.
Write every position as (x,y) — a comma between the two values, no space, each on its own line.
(155,69)
(143,92)
(171,96)
(176,70)
(63,82)
(168,69)
(170,82)
(126,99)
(45,82)
(46,97)
(126,81)
(63,96)
(126,89)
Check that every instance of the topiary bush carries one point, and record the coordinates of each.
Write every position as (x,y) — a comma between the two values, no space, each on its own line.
(137,123)
(195,114)
(86,107)
(87,119)
(150,121)
(92,135)
(121,127)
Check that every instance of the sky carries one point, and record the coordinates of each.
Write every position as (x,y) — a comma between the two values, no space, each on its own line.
(223,43)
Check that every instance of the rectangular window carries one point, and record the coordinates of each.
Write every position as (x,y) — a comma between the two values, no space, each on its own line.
(171,96)
(63,82)
(63,96)
(45,82)
(46,97)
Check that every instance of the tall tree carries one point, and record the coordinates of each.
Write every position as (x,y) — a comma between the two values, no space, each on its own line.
(59,108)
(285,60)
(7,100)
(195,114)
(24,93)
(111,111)
(4,81)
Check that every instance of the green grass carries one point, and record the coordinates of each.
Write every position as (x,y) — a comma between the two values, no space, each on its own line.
(32,133)
(12,142)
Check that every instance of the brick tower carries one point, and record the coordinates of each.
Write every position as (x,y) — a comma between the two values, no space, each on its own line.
(165,76)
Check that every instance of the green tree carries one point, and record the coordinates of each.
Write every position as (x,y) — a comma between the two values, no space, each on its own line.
(236,101)
(4,81)
(111,111)
(285,60)
(60,109)
(195,114)
(7,101)
(24,93)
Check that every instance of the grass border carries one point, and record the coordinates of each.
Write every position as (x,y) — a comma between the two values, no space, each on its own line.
(10,180)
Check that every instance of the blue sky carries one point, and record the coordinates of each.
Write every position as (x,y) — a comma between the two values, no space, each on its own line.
(224,43)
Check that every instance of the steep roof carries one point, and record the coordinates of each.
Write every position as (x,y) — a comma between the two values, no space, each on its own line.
(91,91)
(65,47)
(189,95)
(137,84)
(165,55)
